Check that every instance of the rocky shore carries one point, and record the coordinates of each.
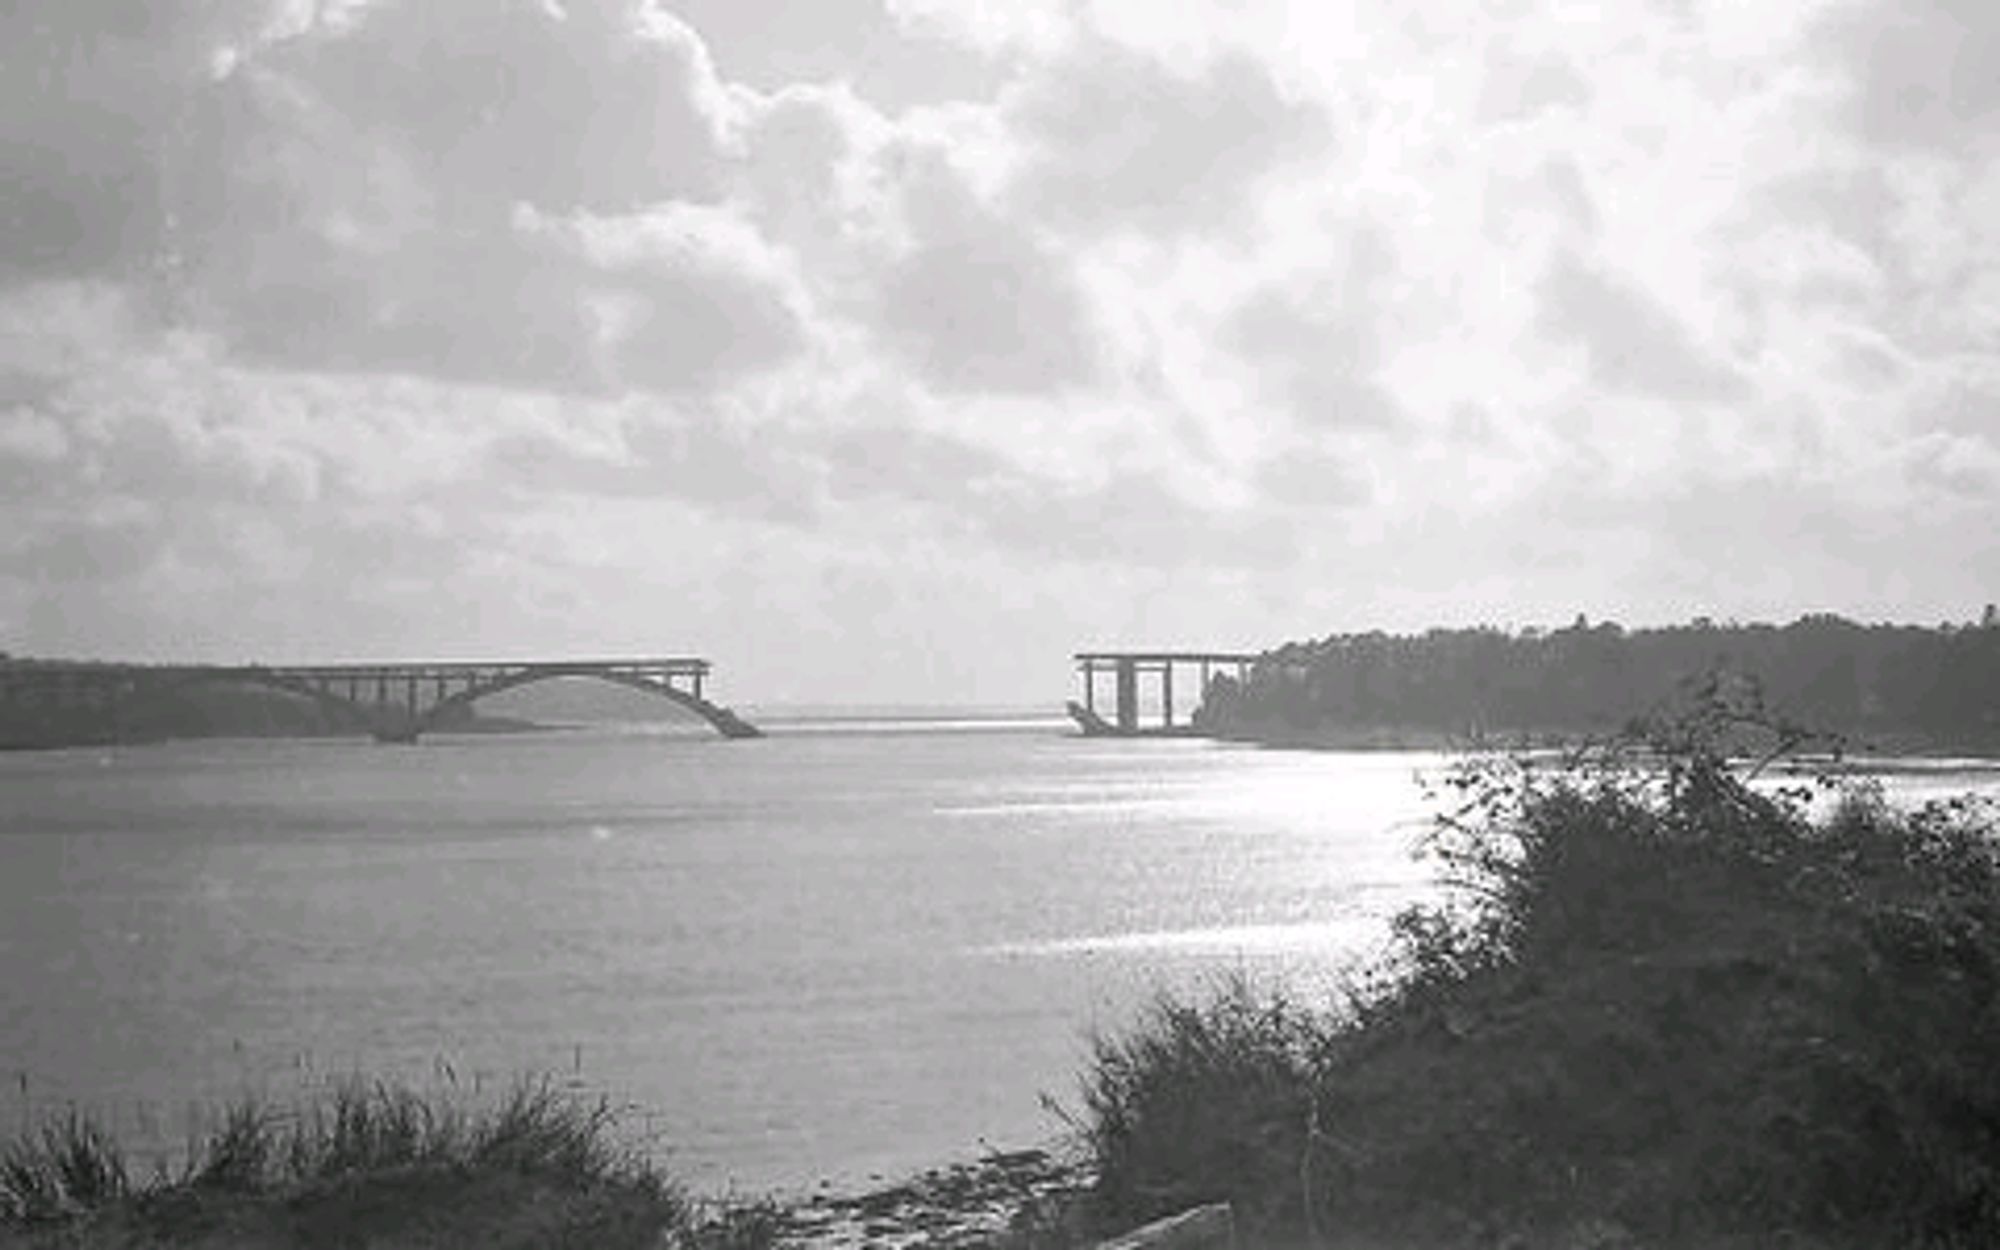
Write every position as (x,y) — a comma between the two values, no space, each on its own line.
(1016,1198)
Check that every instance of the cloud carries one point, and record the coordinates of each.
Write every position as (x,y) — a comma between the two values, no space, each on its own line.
(1564,182)
(108,546)
(1130,519)
(894,63)
(1318,345)
(1519,86)
(1117,139)
(1315,476)
(681,297)
(539,215)
(873,461)
(1117,516)
(90,95)
(1962,466)
(608,105)
(1633,343)
(1919,74)
(1024,26)
(350,193)
(477,306)
(906,251)
(988,308)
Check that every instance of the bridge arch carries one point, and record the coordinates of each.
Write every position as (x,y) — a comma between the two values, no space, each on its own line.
(390,721)
(724,721)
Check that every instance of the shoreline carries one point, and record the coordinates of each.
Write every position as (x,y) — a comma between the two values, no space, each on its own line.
(370,1153)
(480,727)
(964,1203)
(1879,746)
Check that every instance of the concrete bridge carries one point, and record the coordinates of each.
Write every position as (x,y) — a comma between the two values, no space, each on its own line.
(1127,668)
(395,702)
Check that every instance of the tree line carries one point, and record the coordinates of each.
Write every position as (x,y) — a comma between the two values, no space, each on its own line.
(1940,684)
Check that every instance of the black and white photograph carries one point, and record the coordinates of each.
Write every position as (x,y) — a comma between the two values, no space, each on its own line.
(1028,624)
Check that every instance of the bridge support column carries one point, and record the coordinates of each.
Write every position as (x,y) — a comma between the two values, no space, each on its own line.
(1167,694)
(1128,695)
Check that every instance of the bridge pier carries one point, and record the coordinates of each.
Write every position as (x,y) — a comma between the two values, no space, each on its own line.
(1128,694)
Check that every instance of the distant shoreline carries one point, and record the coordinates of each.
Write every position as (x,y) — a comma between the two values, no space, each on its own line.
(477,726)
(1337,737)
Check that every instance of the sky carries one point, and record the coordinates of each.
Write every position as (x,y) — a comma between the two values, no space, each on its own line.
(892,350)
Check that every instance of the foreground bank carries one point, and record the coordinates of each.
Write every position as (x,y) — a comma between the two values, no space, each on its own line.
(383,1166)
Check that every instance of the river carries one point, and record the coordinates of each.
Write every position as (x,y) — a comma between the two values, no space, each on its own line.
(846,951)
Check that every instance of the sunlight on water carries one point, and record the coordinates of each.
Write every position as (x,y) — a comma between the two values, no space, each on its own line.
(1326,937)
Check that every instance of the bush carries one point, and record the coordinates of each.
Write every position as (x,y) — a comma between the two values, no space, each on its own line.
(1200,1102)
(1659,996)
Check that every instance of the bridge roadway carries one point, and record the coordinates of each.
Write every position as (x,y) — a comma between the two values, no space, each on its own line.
(395,702)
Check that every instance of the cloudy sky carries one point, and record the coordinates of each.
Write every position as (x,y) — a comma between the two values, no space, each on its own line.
(893,349)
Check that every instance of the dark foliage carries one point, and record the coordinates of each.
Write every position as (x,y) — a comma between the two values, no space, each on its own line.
(1940,686)
(1664,998)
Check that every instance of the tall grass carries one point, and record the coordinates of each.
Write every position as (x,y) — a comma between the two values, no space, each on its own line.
(1659,998)
(67,1167)
(536,1140)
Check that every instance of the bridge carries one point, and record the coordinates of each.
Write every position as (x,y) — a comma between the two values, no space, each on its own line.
(1126,668)
(394,702)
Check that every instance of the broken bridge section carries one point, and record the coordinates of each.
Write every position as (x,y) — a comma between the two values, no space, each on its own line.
(1127,669)
(394,702)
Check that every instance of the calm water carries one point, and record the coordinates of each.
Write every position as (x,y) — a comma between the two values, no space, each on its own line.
(841,951)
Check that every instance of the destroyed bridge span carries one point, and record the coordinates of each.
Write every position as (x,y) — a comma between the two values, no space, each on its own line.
(1128,668)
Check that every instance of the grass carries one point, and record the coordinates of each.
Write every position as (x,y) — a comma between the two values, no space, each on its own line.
(381,1166)
(369,1165)
(1661,1006)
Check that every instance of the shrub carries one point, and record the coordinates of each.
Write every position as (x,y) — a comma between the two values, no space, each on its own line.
(1200,1101)
(1658,995)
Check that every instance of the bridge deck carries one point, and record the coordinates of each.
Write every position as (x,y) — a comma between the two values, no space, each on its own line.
(1168,657)
(680,665)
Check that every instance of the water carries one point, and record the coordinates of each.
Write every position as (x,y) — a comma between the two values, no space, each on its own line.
(851,949)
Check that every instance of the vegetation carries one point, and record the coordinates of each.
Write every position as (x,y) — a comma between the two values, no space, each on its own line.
(369,1166)
(374,1167)
(1905,684)
(1664,1004)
